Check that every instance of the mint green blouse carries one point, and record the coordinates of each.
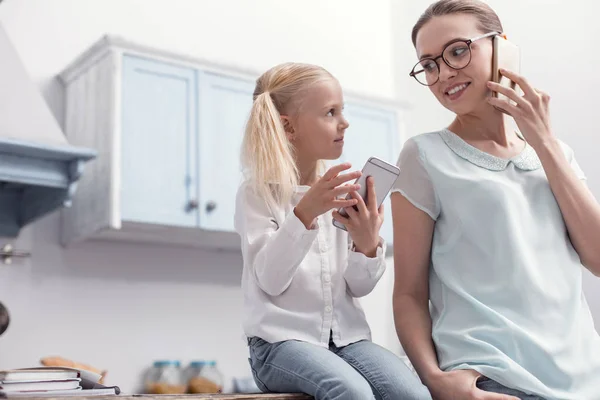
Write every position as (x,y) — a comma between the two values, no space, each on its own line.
(505,281)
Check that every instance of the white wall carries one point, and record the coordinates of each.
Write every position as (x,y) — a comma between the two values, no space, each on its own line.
(558,40)
(258,34)
(120,306)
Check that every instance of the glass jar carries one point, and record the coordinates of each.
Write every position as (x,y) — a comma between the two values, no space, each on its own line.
(165,378)
(204,377)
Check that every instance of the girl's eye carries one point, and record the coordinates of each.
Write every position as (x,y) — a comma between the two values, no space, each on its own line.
(331,112)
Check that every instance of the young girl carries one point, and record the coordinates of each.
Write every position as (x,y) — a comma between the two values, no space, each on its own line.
(493,227)
(302,276)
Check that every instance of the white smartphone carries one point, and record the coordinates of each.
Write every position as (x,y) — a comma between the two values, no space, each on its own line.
(508,56)
(383,173)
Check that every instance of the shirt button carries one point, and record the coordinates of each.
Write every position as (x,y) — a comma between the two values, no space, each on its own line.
(328,309)
(326,278)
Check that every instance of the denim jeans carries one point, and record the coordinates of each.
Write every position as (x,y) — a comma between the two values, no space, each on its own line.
(359,371)
(489,385)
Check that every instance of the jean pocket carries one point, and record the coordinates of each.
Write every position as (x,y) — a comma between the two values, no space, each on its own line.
(260,384)
(259,349)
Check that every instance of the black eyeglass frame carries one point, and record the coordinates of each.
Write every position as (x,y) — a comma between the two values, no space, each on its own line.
(468,42)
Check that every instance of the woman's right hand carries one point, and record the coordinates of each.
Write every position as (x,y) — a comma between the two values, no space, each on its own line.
(323,195)
(461,385)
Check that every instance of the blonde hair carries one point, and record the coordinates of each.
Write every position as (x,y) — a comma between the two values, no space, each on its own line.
(486,16)
(267,155)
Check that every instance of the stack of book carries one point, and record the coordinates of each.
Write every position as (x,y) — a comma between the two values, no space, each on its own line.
(51,381)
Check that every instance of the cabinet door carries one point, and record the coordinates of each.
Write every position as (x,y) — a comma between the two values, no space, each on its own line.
(158,143)
(225,104)
(373,132)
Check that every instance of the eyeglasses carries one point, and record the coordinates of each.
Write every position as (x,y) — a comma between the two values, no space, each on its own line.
(456,55)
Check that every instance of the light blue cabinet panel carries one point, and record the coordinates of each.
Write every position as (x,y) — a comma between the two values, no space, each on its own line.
(158,138)
(225,104)
(373,132)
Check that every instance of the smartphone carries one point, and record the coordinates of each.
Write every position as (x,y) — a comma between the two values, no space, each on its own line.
(508,56)
(384,176)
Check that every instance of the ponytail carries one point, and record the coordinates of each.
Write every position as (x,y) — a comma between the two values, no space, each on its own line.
(268,156)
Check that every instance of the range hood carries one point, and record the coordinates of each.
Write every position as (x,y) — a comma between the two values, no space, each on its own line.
(38,168)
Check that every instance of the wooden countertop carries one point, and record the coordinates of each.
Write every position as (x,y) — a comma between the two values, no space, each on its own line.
(181,397)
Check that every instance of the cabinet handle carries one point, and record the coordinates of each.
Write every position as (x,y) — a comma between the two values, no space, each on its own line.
(7,252)
(210,206)
(192,205)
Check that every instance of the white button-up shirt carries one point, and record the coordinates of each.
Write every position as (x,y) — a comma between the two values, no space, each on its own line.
(298,283)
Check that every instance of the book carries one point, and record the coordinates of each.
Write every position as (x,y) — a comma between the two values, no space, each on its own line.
(36,386)
(38,374)
(60,393)
(52,381)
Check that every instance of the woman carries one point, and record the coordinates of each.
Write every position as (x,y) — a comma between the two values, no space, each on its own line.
(493,227)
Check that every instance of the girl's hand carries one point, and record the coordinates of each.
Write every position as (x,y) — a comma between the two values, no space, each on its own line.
(323,195)
(364,225)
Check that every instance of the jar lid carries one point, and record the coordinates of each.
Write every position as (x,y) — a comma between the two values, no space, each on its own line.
(198,363)
(166,363)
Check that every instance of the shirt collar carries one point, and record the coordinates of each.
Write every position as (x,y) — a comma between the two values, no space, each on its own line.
(527,160)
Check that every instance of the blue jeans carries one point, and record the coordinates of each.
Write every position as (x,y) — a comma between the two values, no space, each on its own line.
(489,385)
(359,371)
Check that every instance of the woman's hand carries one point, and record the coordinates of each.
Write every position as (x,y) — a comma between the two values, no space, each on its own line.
(461,385)
(531,111)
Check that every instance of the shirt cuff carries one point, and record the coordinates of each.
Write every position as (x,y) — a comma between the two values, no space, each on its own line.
(371,263)
(381,247)
(361,267)
(296,229)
